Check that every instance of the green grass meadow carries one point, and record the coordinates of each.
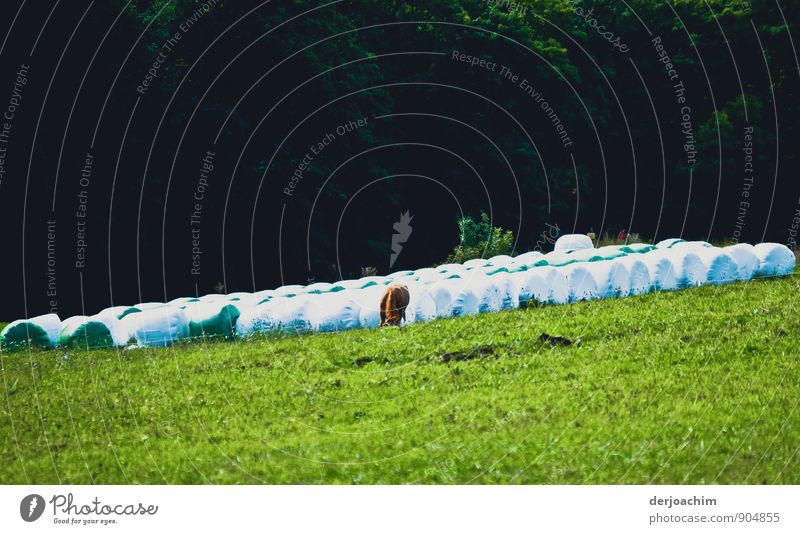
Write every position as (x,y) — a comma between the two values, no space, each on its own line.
(697,386)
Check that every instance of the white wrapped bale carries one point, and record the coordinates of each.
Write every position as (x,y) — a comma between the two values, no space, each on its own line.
(612,278)
(157,327)
(465,299)
(336,312)
(263,296)
(774,259)
(450,268)
(477,262)
(571,242)
(690,271)
(531,286)
(283,291)
(119,312)
(581,283)
(369,302)
(212,319)
(720,267)
(509,292)
(442,297)
(501,260)
(746,260)
(293,315)
(557,284)
(90,333)
(41,331)
(668,243)
(490,298)
(662,271)
(529,258)
(421,306)
(119,333)
(639,274)
(428,276)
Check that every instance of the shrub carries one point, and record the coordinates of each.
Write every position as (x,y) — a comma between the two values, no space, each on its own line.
(479,239)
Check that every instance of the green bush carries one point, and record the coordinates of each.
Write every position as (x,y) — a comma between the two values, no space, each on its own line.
(479,239)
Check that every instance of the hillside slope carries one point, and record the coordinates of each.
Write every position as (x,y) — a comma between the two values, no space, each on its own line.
(698,386)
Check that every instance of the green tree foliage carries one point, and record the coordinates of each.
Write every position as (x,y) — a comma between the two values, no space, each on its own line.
(479,239)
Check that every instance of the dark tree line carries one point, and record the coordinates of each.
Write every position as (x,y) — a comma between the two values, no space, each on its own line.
(307,128)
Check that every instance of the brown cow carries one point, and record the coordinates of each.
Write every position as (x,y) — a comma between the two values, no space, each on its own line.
(393,305)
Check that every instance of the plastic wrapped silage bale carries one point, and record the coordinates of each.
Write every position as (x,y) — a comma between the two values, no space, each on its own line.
(639,274)
(720,267)
(488,292)
(256,320)
(570,242)
(450,268)
(260,297)
(531,286)
(612,278)
(317,288)
(182,301)
(85,333)
(509,292)
(350,285)
(690,271)
(637,248)
(587,255)
(668,243)
(119,333)
(442,297)
(336,312)
(465,299)
(289,290)
(582,285)
(746,260)
(477,262)
(421,307)
(774,259)
(662,270)
(157,327)
(369,301)
(293,315)
(212,319)
(528,258)
(119,311)
(501,260)
(41,331)
(557,284)
(428,276)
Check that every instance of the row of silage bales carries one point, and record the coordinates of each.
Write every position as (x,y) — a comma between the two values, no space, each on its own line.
(574,271)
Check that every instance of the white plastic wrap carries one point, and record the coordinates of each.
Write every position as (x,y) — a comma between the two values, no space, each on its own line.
(157,327)
(662,271)
(336,312)
(775,259)
(746,260)
(638,272)
(569,242)
(531,286)
(581,283)
(720,267)
(612,278)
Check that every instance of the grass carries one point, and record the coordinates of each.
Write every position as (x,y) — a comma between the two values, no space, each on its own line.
(699,386)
